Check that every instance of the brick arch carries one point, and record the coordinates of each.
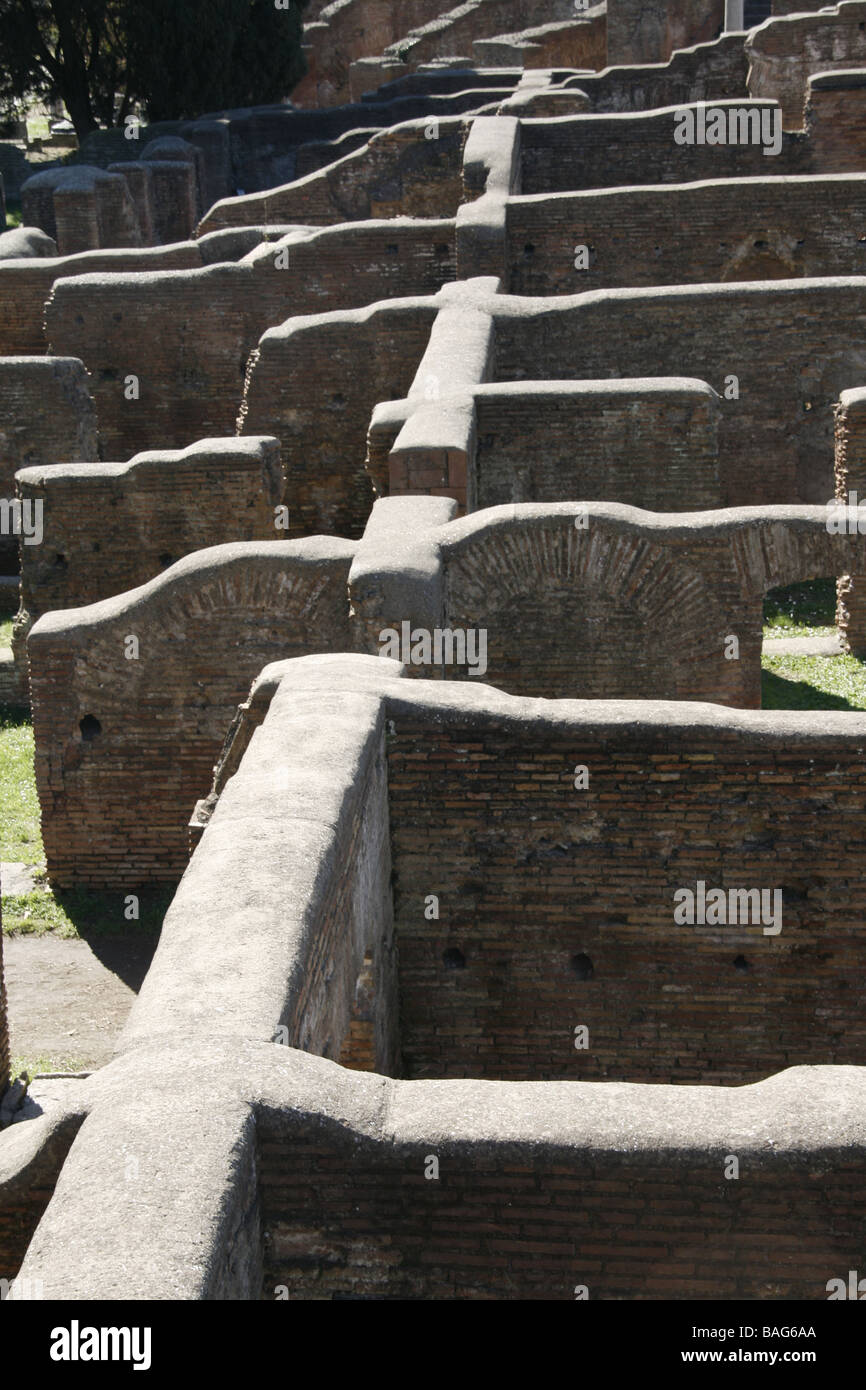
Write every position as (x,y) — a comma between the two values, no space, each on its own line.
(587,614)
(205,630)
(776,554)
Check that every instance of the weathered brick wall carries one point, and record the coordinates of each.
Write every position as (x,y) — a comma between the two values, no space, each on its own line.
(82,207)
(851,490)
(25,285)
(599,151)
(452,33)
(836,120)
(642,32)
(355,358)
(401,172)
(721,229)
(46,414)
(578,43)
(556,905)
(707,72)
(783,53)
(109,527)
(345,1216)
(126,747)
(203,324)
(627,606)
(793,347)
(648,444)
(349,30)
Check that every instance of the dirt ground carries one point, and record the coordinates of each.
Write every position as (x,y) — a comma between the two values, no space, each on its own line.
(67,1003)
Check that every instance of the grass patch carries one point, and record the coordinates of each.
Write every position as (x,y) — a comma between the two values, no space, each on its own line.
(20,833)
(8,609)
(36,1066)
(813,682)
(801,610)
(84,913)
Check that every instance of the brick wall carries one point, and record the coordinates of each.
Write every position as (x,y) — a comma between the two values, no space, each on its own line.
(641,32)
(850,480)
(629,606)
(125,747)
(707,72)
(355,358)
(784,53)
(349,31)
(453,32)
(203,324)
(720,229)
(401,172)
(560,901)
(46,413)
(25,285)
(600,151)
(794,347)
(543,443)
(109,527)
(836,120)
(345,1217)
(578,43)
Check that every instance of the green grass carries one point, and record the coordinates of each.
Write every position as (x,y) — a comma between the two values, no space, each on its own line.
(38,128)
(813,682)
(801,610)
(35,1066)
(8,609)
(20,834)
(81,912)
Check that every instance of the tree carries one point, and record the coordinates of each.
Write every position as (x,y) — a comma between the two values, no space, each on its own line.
(208,55)
(178,57)
(71,49)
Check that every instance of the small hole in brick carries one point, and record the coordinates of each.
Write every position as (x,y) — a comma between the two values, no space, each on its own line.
(166,560)
(90,728)
(61,562)
(760,245)
(443,251)
(741,963)
(529,249)
(392,249)
(582,966)
(453,959)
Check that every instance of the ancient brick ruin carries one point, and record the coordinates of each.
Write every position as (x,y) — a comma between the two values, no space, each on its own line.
(470,340)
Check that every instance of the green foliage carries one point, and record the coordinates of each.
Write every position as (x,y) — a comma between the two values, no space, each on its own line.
(72,49)
(179,60)
(207,55)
